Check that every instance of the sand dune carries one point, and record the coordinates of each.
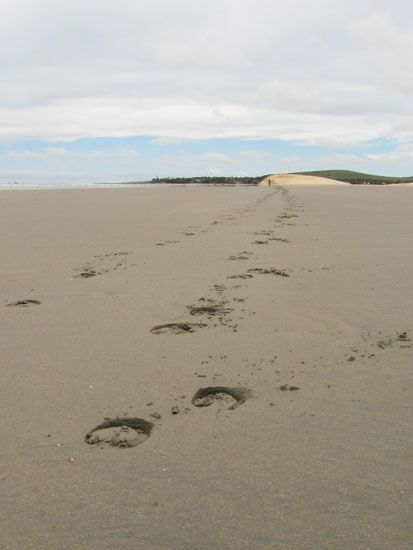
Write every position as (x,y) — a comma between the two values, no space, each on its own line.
(295,179)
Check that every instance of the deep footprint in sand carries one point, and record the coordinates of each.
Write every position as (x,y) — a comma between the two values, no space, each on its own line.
(177,328)
(123,433)
(268,271)
(23,303)
(232,396)
(211,309)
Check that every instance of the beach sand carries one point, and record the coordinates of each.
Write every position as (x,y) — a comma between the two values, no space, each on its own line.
(298,179)
(295,302)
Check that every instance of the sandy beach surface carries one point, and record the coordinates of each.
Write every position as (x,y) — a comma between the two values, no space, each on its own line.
(294,304)
(298,179)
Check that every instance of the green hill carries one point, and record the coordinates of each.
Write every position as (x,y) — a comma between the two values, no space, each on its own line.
(356,177)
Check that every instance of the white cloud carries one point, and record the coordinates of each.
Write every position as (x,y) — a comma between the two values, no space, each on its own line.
(197,162)
(129,153)
(56,153)
(217,158)
(313,71)
(402,155)
(48,154)
(166,141)
(69,120)
(398,161)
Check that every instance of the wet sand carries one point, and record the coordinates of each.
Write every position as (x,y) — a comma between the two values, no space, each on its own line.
(256,342)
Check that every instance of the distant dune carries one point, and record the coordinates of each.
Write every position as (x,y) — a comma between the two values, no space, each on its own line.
(358,178)
(296,179)
(333,177)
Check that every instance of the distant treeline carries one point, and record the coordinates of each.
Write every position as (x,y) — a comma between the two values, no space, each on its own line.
(212,180)
(357,178)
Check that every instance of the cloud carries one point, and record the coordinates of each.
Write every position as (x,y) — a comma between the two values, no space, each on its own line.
(197,163)
(166,141)
(56,153)
(217,158)
(400,156)
(309,71)
(48,154)
(129,153)
(398,161)
(189,119)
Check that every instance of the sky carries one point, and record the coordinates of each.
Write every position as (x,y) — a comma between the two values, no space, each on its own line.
(129,90)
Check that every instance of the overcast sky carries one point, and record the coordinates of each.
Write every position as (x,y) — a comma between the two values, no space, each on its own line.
(128,89)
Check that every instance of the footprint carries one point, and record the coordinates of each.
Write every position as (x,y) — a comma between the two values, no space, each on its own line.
(268,271)
(244,255)
(102,264)
(166,242)
(402,339)
(120,432)
(235,396)
(219,289)
(23,303)
(88,272)
(389,341)
(240,276)
(239,257)
(211,309)
(177,328)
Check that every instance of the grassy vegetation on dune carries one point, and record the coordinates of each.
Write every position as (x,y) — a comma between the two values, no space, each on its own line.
(356,177)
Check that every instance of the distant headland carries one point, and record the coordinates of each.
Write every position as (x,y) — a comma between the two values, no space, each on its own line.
(339,176)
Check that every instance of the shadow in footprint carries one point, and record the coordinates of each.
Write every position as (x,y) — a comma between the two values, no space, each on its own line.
(234,396)
(268,271)
(87,273)
(211,309)
(23,303)
(177,328)
(166,242)
(120,432)
(240,276)
(239,257)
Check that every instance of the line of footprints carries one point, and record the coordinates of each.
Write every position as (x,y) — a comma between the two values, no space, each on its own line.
(125,433)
